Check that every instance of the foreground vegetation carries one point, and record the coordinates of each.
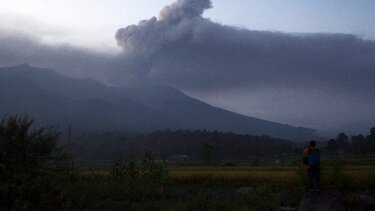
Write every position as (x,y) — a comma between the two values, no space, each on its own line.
(217,188)
(359,176)
(36,175)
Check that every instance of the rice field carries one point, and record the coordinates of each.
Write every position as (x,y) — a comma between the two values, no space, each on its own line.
(360,176)
(355,176)
(237,175)
(215,188)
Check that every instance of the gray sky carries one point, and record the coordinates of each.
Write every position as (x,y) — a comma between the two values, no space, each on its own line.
(282,73)
(92,23)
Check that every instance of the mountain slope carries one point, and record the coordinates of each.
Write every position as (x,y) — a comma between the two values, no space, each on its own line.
(91,106)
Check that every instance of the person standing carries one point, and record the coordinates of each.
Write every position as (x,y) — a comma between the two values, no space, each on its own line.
(311,159)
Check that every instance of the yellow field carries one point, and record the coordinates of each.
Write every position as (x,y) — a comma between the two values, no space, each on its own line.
(357,175)
(231,175)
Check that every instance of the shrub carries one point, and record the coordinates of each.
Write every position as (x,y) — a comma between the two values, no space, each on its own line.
(33,167)
(149,177)
(125,173)
(154,175)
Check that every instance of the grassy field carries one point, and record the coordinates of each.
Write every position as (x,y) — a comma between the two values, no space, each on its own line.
(215,188)
(359,176)
(356,171)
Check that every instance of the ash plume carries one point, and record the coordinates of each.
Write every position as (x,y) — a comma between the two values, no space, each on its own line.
(175,23)
(184,9)
(183,49)
(316,80)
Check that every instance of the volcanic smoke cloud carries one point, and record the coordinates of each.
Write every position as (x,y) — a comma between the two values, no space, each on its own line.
(175,24)
(191,52)
(313,80)
(289,75)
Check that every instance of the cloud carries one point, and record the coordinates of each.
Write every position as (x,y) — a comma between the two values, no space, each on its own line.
(26,23)
(173,24)
(181,48)
(17,47)
(315,80)
(143,41)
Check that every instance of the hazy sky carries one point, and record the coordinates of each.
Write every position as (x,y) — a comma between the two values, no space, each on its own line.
(92,23)
(219,55)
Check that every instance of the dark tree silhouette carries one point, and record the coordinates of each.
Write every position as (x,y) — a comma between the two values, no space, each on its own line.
(206,152)
(359,144)
(332,146)
(370,139)
(30,160)
(343,142)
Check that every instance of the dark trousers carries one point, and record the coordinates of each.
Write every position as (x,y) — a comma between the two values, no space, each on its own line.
(314,177)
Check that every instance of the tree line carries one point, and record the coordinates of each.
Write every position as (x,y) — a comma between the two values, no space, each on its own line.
(197,145)
(359,144)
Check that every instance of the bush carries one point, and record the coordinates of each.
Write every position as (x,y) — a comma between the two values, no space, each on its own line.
(149,176)
(154,175)
(33,167)
(125,173)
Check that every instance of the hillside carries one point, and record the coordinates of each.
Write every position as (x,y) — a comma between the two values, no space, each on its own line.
(90,106)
